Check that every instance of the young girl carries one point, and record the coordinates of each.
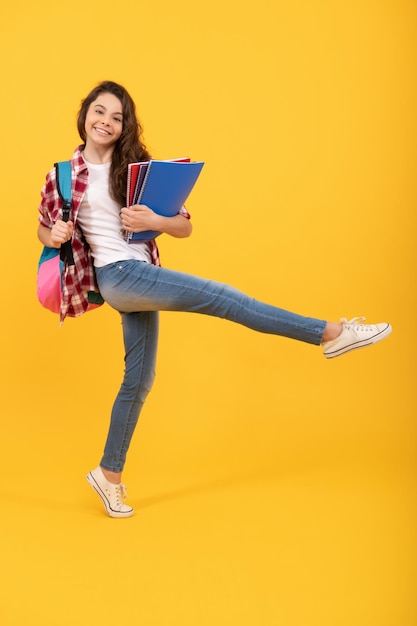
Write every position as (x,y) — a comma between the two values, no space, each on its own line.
(130,278)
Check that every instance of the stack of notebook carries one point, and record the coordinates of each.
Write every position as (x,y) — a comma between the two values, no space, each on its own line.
(163,186)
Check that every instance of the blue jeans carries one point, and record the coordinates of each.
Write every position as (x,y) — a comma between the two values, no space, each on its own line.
(138,291)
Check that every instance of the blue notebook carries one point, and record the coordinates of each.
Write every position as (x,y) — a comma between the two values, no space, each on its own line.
(165,188)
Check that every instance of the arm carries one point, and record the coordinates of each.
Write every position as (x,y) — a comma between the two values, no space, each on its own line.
(140,217)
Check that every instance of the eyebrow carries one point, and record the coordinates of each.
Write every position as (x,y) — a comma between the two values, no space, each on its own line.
(103,107)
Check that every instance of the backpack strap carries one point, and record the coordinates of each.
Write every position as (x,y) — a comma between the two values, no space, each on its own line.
(64,188)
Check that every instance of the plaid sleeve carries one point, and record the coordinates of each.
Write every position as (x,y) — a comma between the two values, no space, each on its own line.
(50,202)
(183,211)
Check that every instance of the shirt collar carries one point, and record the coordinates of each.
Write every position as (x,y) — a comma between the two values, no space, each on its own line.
(77,160)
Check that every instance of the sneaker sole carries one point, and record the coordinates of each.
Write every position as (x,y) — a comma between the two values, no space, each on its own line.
(361,344)
(91,480)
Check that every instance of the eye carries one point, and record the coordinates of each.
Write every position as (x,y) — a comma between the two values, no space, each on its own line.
(117,119)
(99,111)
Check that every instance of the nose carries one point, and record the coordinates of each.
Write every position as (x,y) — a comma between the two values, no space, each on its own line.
(105,120)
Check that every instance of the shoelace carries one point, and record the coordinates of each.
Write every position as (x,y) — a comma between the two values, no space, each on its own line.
(120,493)
(123,490)
(356,323)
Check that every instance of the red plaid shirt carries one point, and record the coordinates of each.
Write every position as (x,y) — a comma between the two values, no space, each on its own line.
(78,279)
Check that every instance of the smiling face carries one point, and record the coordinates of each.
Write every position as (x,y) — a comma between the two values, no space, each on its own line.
(104,122)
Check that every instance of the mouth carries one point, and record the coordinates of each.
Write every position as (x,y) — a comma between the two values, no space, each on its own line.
(101,131)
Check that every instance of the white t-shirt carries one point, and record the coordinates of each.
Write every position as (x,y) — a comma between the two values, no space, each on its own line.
(99,218)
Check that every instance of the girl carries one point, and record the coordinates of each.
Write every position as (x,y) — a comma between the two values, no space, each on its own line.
(130,278)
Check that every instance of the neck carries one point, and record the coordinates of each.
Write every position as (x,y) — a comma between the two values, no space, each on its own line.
(96,155)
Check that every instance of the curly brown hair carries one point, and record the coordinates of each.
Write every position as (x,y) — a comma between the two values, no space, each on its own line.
(129,148)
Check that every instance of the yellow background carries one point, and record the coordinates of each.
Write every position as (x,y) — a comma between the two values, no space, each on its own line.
(271,486)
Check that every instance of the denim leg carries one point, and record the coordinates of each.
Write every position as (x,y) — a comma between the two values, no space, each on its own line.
(140,334)
(132,285)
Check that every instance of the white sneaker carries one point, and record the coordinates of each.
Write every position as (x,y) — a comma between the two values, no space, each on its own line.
(355,335)
(111,494)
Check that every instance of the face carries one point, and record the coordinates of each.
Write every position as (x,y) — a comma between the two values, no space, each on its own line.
(104,121)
